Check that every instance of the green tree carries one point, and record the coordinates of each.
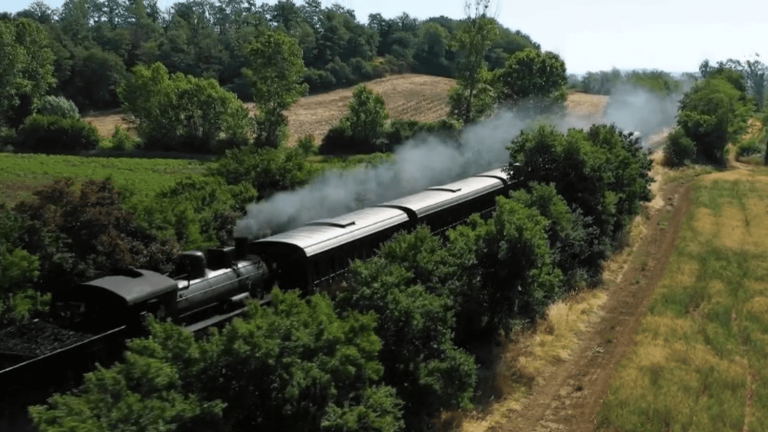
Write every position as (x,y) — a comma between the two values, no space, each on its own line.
(679,149)
(420,361)
(26,69)
(533,82)
(712,114)
(602,172)
(367,116)
(144,393)
(511,269)
(83,233)
(568,231)
(275,73)
(469,101)
(18,271)
(183,113)
(299,366)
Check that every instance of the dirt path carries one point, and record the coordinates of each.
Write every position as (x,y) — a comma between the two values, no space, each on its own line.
(569,397)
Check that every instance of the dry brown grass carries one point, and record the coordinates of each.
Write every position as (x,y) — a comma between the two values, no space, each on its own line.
(408,97)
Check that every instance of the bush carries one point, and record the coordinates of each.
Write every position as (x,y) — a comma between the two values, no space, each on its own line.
(57,106)
(268,170)
(679,149)
(50,134)
(306,145)
(750,147)
(121,140)
(7,138)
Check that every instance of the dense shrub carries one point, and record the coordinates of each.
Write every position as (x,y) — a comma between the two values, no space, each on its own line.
(18,271)
(7,138)
(307,145)
(183,113)
(51,134)
(340,141)
(82,233)
(267,170)
(57,106)
(679,149)
(122,140)
(602,172)
(198,211)
(750,147)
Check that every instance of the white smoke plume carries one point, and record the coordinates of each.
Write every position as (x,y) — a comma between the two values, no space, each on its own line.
(427,161)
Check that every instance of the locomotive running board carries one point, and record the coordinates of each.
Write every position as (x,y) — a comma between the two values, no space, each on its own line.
(212,320)
(200,325)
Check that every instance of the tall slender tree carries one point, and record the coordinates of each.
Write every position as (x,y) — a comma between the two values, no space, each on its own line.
(472,98)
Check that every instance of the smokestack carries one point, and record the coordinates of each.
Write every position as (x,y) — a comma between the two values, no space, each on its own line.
(241,247)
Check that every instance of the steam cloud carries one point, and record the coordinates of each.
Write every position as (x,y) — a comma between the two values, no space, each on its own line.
(427,161)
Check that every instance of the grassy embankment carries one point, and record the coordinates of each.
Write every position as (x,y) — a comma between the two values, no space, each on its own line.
(700,359)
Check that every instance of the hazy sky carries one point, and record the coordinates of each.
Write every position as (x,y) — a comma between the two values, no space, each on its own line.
(673,35)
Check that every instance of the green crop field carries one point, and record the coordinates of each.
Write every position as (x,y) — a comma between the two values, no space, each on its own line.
(700,360)
(21,174)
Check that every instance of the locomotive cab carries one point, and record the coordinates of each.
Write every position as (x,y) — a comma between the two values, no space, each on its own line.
(123,299)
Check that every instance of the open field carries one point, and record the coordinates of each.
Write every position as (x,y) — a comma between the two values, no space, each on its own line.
(20,174)
(700,361)
(408,96)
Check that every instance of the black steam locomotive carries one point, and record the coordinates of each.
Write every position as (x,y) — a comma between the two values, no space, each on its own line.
(94,318)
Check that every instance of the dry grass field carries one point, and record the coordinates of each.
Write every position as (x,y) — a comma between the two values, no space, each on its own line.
(408,97)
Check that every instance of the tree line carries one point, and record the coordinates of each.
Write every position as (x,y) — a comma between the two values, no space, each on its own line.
(96,43)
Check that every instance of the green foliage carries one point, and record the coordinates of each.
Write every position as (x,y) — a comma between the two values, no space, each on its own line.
(80,235)
(7,138)
(750,147)
(144,393)
(57,106)
(533,83)
(568,232)
(198,211)
(183,113)
(267,170)
(367,116)
(306,145)
(511,268)
(91,76)
(122,140)
(472,41)
(298,366)
(293,366)
(360,130)
(26,70)
(53,134)
(679,149)
(605,82)
(400,131)
(18,271)
(474,105)
(712,114)
(601,172)
(415,327)
(275,72)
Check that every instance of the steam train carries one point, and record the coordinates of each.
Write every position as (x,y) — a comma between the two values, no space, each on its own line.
(207,289)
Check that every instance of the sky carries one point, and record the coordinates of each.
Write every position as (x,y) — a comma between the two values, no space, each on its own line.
(592,35)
